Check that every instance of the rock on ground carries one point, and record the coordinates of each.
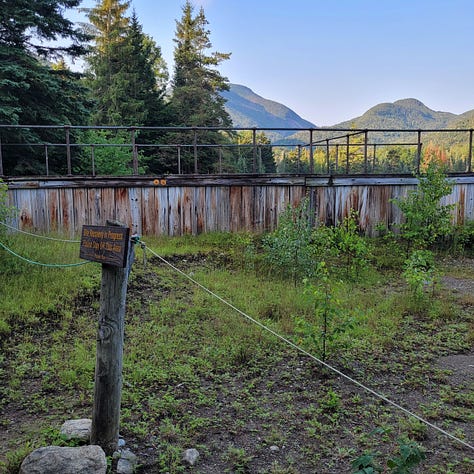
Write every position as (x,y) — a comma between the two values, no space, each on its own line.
(60,460)
(191,456)
(79,430)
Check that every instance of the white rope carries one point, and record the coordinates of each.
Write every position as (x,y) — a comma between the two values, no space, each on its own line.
(39,236)
(303,351)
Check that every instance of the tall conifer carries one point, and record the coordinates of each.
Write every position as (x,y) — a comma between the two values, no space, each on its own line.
(108,80)
(124,68)
(196,99)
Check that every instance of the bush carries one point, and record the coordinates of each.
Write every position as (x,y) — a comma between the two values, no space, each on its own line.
(426,219)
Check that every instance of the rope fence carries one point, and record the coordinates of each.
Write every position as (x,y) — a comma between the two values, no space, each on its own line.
(16,229)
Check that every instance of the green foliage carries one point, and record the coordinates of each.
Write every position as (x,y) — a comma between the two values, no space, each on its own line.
(350,245)
(264,160)
(109,159)
(194,369)
(410,455)
(295,247)
(331,322)
(34,91)
(196,86)
(461,239)
(365,464)
(6,211)
(419,272)
(426,219)
(288,249)
(127,71)
(14,459)
(238,460)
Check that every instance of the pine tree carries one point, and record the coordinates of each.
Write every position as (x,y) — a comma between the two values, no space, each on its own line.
(142,67)
(107,62)
(128,72)
(262,161)
(196,99)
(196,84)
(32,91)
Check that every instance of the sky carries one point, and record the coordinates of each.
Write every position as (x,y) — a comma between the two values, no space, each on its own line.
(331,60)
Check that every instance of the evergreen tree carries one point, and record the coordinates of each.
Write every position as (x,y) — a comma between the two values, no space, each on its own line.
(32,91)
(263,161)
(196,99)
(147,75)
(108,81)
(128,73)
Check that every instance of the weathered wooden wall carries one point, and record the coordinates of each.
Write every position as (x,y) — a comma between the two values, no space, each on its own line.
(177,205)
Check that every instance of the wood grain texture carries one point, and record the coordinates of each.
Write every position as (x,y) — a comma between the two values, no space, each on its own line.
(196,204)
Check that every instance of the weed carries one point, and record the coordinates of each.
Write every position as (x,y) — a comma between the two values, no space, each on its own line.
(196,372)
(331,321)
(419,273)
(288,249)
(169,459)
(350,246)
(238,460)
(409,457)
(15,458)
(331,402)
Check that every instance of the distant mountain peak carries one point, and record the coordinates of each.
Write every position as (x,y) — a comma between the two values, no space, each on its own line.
(248,109)
(403,113)
(410,102)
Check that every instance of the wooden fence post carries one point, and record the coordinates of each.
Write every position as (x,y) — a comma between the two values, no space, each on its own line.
(108,370)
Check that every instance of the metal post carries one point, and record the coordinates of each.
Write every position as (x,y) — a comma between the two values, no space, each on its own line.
(366,164)
(328,167)
(46,158)
(1,159)
(469,158)
(311,155)
(68,150)
(299,159)
(374,158)
(254,154)
(418,153)
(93,160)
(195,152)
(179,159)
(337,156)
(134,153)
(347,154)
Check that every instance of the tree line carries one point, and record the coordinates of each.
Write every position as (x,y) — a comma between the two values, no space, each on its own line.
(125,83)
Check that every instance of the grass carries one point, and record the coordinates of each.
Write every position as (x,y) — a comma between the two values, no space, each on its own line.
(198,374)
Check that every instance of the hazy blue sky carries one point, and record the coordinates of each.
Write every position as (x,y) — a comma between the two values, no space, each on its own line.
(331,60)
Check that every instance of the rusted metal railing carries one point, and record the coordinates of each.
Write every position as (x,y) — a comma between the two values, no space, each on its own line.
(311,150)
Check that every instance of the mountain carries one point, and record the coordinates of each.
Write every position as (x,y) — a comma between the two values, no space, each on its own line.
(249,110)
(405,113)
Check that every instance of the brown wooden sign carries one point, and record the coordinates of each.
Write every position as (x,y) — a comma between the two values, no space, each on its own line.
(105,244)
